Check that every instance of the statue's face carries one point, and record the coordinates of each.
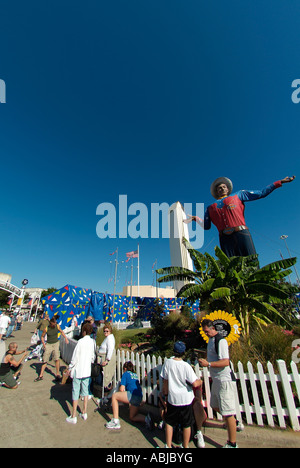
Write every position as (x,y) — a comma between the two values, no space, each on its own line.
(222,190)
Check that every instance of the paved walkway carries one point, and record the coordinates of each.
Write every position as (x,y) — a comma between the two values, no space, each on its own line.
(34,416)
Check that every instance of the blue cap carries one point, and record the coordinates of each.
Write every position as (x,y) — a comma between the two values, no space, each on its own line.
(179,347)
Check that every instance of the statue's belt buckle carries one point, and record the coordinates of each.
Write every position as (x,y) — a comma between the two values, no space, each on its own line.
(228,231)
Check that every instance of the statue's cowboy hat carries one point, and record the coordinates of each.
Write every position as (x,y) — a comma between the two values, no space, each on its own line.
(218,181)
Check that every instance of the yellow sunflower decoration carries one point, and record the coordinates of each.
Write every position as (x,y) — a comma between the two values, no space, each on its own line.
(226,324)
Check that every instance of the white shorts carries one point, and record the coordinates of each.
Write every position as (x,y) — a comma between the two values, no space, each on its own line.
(2,331)
(223,397)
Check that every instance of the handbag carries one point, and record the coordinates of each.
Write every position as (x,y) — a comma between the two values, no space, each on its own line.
(95,368)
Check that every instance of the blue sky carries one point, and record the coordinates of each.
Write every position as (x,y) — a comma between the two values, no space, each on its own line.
(154,100)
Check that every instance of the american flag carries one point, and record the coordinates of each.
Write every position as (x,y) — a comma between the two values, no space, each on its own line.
(130,255)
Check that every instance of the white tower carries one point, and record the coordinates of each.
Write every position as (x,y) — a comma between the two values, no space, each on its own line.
(178,229)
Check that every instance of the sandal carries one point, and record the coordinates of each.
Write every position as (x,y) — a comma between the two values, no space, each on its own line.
(38,379)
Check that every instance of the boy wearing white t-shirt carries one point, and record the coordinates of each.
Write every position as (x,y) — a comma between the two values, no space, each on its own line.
(179,380)
(222,391)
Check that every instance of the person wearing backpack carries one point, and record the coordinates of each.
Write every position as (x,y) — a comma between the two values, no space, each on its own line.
(223,390)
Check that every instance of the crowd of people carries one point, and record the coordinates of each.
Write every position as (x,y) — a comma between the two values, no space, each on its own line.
(10,322)
(181,396)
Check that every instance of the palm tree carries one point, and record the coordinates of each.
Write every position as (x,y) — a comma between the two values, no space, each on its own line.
(237,285)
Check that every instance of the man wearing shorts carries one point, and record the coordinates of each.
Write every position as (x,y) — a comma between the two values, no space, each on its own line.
(52,346)
(222,391)
(179,380)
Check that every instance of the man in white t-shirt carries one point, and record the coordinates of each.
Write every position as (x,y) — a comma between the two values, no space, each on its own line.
(179,380)
(222,391)
(4,322)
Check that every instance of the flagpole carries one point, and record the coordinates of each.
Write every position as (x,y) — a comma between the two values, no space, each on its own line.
(131,284)
(115,282)
(156,281)
(138,290)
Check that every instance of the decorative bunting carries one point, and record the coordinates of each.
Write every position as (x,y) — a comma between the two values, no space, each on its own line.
(80,302)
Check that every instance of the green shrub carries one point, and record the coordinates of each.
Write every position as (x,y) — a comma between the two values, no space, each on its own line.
(268,344)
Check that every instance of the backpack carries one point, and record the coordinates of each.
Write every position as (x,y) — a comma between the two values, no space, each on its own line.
(218,338)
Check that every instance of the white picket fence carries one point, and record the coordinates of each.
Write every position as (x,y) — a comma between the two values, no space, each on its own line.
(264,399)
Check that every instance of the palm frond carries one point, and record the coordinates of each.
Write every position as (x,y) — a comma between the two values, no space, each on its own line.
(280,264)
(199,259)
(222,256)
(191,292)
(269,275)
(220,293)
(268,289)
(213,264)
(175,270)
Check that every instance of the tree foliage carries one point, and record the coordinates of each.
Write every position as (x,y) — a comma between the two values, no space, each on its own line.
(237,285)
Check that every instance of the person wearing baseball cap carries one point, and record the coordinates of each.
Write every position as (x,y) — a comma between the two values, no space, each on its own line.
(179,381)
(179,348)
(227,214)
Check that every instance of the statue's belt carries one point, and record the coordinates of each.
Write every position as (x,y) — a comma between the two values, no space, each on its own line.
(231,230)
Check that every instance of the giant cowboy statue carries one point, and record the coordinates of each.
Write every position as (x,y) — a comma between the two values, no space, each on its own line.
(227,214)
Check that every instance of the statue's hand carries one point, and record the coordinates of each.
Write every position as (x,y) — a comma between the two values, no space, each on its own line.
(288,179)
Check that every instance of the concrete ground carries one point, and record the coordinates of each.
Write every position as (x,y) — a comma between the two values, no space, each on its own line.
(33,416)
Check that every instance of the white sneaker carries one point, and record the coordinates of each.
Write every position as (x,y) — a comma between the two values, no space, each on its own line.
(83,416)
(71,420)
(200,439)
(239,426)
(161,425)
(113,424)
